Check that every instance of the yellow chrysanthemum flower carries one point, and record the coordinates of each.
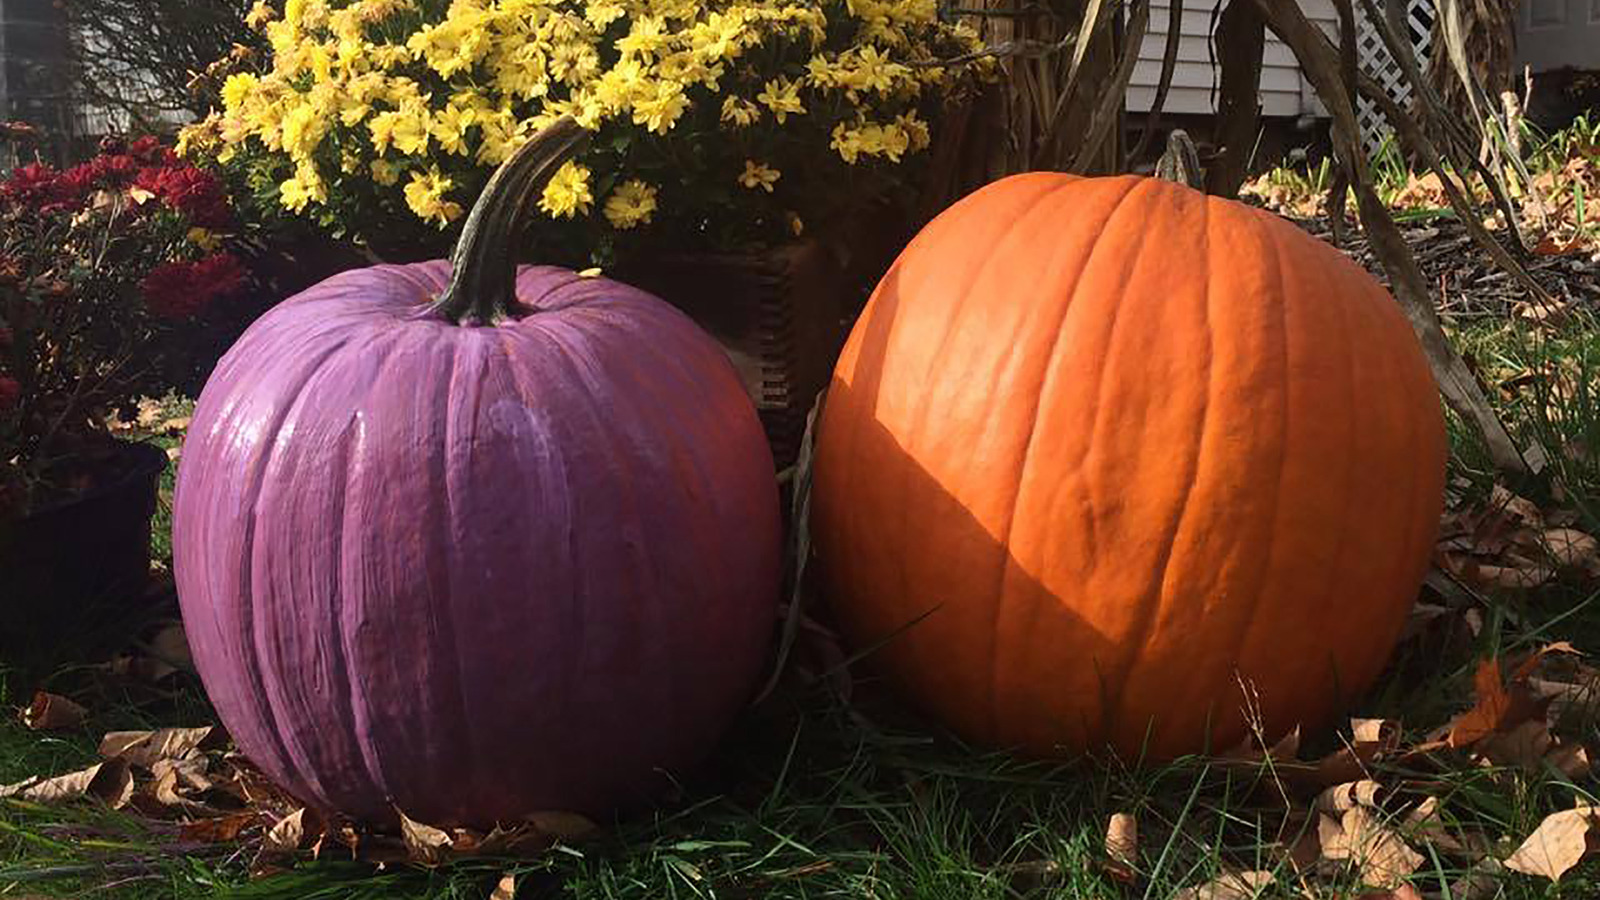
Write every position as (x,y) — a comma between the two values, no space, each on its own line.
(757,175)
(260,14)
(204,239)
(660,110)
(237,89)
(567,194)
(425,196)
(739,112)
(782,96)
(631,204)
(384,172)
(305,187)
(450,128)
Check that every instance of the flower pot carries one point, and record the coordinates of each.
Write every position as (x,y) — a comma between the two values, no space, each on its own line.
(781,314)
(71,571)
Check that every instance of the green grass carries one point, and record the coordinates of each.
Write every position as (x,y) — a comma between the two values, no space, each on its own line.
(813,798)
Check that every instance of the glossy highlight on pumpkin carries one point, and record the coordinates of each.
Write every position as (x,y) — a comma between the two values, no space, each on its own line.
(1101,451)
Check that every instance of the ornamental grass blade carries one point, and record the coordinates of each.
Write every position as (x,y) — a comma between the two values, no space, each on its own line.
(800,547)
(1086,31)
(1452,25)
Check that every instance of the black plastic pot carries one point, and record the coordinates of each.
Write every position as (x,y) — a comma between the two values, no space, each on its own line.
(72,571)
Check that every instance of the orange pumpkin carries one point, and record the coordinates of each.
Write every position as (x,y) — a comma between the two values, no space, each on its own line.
(1100,452)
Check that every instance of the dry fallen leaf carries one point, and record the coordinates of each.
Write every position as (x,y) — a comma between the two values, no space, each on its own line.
(1523,745)
(109,782)
(1231,886)
(1516,507)
(286,835)
(171,645)
(1383,732)
(1559,843)
(1572,549)
(1122,846)
(1403,892)
(1571,760)
(175,780)
(1341,797)
(145,669)
(1513,578)
(145,748)
(1385,860)
(1487,714)
(1122,838)
(1425,823)
(506,889)
(566,826)
(424,843)
(52,712)
(1481,882)
(218,829)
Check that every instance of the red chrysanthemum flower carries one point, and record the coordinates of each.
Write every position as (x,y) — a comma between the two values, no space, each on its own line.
(178,290)
(194,192)
(72,188)
(31,186)
(115,171)
(10,392)
(149,151)
(219,275)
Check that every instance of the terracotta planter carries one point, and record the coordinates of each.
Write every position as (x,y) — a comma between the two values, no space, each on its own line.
(70,570)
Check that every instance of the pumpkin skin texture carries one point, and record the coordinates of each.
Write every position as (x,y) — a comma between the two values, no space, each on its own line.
(1099,449)
(472,573)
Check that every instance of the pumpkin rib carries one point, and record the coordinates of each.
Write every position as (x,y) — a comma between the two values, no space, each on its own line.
(365,721)
(919,421)
(1292,292)
(924,411)
(249,642)
(359,716)
(1280,288)
(1114,673)
(1046,368)
(1139,634)
(444,611)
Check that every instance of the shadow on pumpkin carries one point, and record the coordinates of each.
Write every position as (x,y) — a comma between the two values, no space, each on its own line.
(911,574)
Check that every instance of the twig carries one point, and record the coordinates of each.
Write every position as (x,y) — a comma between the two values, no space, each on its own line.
(1023,47)
(1109,109)
(1169,63)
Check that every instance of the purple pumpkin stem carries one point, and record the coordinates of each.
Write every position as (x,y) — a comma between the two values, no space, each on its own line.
(483,276)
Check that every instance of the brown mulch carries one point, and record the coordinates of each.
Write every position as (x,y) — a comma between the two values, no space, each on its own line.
(1468,284)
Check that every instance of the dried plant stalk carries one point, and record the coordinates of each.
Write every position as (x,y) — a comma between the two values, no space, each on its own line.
(1322,66)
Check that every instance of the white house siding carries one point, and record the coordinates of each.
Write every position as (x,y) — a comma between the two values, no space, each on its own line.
(1284,91)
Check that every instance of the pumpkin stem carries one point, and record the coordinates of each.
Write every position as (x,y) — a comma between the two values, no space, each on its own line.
(1181,161)
(483,276)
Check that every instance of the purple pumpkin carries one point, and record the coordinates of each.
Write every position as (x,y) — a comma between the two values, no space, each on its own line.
(476,541)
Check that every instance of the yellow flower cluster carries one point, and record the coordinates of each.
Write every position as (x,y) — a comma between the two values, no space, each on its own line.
(429,96)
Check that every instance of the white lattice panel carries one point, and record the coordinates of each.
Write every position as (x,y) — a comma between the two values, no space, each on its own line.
(1376,61)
